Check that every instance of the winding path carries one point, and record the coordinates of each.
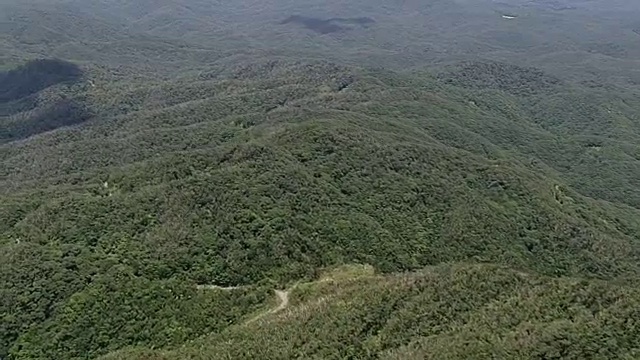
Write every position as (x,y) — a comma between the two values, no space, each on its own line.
(216,287)
(282,295)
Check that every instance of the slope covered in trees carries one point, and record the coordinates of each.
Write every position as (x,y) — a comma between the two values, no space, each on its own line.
(158,187)
(444,312)
(25,111)
(35,76)
(270,172)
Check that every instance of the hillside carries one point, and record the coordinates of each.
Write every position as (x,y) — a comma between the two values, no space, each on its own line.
(174,185)
(270,172)
(444,312)
(579,40)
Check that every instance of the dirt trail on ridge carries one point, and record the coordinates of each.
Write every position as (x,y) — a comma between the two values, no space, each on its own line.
(283,296)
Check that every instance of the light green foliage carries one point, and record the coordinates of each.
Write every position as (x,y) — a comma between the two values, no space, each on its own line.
(444,312)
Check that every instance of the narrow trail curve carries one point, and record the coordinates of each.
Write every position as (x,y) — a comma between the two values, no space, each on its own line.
(216,287)
(283,296)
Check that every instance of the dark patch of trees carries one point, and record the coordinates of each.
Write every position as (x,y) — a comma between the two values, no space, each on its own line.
(15,107)
(34,76)
(608,49)
(63,113)
(493,75)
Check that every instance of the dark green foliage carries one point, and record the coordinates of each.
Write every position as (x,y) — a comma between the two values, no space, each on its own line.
(18,106)
(445,312)
(120,309)
(26,110)
(509,78)
(202,165)
(34,76)
(275,171)
(64,112)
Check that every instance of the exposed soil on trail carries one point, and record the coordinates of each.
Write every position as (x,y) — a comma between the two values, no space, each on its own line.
(283,296)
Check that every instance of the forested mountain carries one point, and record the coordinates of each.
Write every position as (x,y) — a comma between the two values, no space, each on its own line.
(306,179)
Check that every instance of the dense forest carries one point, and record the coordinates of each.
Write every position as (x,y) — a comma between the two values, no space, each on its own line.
(170,194)
(445,312)
(34,76)
(24,112)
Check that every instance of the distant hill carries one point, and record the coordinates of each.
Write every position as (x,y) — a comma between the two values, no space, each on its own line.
(572,40)
(23,116)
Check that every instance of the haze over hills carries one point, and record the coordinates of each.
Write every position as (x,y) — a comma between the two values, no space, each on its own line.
(588,39)
(449,180)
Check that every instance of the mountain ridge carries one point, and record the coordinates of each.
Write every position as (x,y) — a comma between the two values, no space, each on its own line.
(456,202)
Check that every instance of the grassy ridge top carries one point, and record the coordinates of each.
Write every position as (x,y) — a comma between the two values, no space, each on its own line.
(445,312)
